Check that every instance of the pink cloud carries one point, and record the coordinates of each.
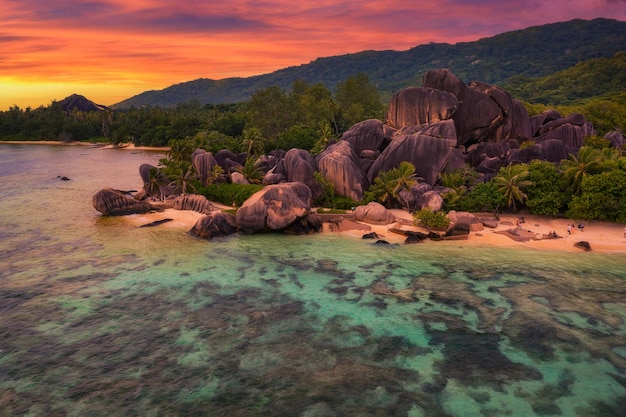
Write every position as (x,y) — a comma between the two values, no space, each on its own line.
(155,43)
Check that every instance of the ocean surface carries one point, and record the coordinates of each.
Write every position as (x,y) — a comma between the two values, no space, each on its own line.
(102,318)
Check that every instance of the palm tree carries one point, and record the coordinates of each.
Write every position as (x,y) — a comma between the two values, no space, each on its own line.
(215,173)
(251,172)
(576,167)
(511,181)
(183,177)
(156,180)
(382,188)
(405,177)
(325,133)
(253,142)
(388,184)
(610,154)
(180,150)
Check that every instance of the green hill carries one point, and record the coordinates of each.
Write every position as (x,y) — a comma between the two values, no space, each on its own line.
(600,77)
(533,52)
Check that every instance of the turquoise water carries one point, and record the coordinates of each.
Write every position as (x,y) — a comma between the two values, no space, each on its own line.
(99,318)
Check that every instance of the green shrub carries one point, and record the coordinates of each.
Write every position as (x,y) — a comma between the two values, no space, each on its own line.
(330,211)
(435,220)
(344,203)
(462,177)
(527,144)
(328,198)
(603,197)
(328,191)
(548,194)
(482,197)
(597,142)
(229,193)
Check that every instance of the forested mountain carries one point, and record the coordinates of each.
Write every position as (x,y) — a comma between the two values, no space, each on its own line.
(532,52)
(599,77)
(79,103)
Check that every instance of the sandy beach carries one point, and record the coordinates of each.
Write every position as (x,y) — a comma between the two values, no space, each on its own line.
(126,146)
(602,236)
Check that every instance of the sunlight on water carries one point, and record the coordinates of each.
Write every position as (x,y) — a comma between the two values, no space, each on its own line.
(103,318)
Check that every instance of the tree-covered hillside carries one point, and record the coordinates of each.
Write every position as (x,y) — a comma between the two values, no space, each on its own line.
(531,52)
(600,77)
(595,88)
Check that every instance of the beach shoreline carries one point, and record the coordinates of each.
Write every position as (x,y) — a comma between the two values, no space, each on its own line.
(96,145)
(603,237)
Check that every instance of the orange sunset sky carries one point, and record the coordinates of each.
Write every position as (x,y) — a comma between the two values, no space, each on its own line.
(109,50)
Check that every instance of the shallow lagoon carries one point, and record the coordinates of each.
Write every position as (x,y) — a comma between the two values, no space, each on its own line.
(102,318)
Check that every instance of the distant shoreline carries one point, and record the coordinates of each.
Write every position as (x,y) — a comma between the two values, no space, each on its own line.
(128,146)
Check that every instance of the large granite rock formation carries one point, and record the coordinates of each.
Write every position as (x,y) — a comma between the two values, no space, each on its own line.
(429,150)
(570,134)
(229,160)
(340,165)
(193,202)
(266,162)
(502,125)
(374,213)
(144,172)
(112,202)
(238,178)
(215,224)
(280,207)
(204,162)
(477,116)
(272,177)
(447,123)
(418,105)
(520,122)
(153,179)
(368,135)
(463,220)
(616,138)
(299,166)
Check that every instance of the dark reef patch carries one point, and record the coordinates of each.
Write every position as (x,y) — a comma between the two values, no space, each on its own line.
(475,359)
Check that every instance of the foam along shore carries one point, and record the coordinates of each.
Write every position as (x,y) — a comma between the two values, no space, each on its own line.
(534,233)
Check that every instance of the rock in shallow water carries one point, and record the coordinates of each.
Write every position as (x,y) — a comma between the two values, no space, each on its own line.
(215,224)
(111,202)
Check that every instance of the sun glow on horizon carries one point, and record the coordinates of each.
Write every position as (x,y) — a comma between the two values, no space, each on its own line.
(29,94)
(112,50)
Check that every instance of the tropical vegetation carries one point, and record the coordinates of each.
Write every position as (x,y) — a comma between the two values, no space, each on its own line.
(307,117)
(588,184)
(387,185)
(433,220)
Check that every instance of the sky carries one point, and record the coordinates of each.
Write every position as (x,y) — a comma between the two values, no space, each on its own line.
(110,50)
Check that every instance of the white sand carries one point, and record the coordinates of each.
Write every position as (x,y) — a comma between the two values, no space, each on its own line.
(181,219)
(602,236)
